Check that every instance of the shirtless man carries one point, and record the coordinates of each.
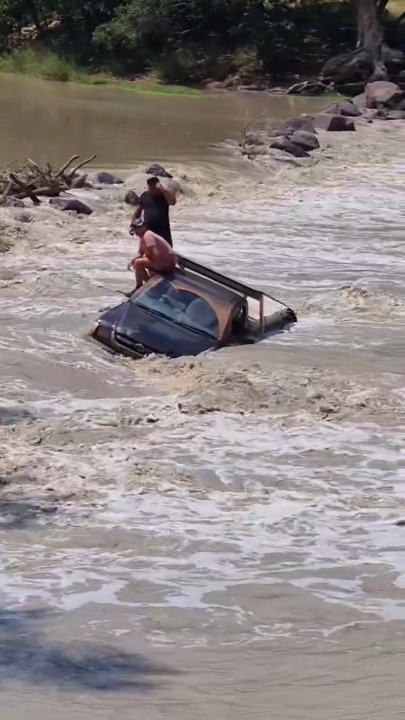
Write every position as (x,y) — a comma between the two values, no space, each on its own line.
(154,255)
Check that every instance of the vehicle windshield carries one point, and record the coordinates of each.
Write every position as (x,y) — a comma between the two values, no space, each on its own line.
(180,306)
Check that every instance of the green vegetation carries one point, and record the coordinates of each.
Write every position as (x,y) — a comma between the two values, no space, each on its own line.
(43,63)
(183,42)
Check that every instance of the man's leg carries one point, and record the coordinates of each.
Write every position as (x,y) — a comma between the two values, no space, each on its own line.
(141,266)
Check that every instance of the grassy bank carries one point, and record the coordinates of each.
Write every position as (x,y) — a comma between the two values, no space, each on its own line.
(46,65)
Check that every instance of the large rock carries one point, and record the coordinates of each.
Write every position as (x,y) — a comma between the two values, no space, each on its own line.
(273,131)
(285,144)
(355,68)
(344,107)
(302,123)
(383,93)
(304,139)
(158,171)
(394,115)
(11,201)
(105,178)
(333,123)
(71,203)
(360,101)
(348,67)
(131,198)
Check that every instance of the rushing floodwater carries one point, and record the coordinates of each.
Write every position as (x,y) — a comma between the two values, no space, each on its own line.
(212,537)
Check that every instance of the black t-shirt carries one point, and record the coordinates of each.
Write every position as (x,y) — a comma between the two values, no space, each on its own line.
(156,214)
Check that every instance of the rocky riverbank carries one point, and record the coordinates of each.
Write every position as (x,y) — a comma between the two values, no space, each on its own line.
(298,137)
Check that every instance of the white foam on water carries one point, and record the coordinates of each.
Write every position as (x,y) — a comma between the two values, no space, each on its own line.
(214,493)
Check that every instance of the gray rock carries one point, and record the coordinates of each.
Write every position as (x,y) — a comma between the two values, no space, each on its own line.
(12,201)
(131,198)
(285,144)
(343,107)
(273,131)
(71,203)
(360,101)
(158,171)
(395,115)
(105,178)
(382,93)
(334,123)
(298,124)
(304,139)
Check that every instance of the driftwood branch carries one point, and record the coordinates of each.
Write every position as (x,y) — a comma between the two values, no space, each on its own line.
(66,165)
(79,165)
(34,180)
(243,134)
(6,192)
(24,188)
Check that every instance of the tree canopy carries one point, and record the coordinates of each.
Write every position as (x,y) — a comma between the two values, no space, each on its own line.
(186,40)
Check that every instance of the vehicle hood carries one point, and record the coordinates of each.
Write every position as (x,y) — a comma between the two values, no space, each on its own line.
(139,325)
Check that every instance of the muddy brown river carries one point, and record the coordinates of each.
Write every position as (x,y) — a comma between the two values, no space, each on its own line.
(213,537)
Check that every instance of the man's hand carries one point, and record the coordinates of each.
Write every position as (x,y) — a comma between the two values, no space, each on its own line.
(170,197)
(131,230)
(130,265)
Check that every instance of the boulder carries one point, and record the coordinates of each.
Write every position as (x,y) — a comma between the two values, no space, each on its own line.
(158,171)
(257,137)
(131,198)
(355,66)
(360,101)
(394,115)
(285,144)
(11,201)
(344,107)
(333,123)
(383,93)
(71,203)
(309,87)
(304,139)
(105,178)
(303,123)
(273,131)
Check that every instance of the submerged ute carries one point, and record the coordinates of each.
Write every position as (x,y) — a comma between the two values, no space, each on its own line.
(194,310)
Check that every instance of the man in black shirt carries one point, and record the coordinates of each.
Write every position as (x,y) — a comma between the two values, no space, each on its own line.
(154,204)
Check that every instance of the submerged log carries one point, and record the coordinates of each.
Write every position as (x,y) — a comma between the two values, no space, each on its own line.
(33,180)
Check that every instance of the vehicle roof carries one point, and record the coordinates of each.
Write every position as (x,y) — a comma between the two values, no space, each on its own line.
(198,282)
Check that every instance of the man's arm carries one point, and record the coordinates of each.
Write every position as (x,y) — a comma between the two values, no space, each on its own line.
(135,216)
(169,196)
(137,213)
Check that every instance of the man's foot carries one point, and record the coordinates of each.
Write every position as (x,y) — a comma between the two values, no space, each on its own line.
(131,292)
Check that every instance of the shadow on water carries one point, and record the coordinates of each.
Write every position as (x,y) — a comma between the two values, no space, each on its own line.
(25,654)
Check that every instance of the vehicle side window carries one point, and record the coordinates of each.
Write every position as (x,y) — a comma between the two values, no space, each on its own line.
(181,306)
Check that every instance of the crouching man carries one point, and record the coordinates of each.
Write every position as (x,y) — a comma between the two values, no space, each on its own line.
(154,255)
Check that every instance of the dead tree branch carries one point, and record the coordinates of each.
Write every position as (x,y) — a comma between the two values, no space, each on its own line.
(243,134)
(33,180)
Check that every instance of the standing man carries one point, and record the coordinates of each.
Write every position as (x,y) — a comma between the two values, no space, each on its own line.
(154,203)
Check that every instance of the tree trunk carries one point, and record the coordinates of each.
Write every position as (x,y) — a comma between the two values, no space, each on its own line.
(370,35)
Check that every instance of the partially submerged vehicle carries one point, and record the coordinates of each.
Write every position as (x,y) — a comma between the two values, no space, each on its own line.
(194,310)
